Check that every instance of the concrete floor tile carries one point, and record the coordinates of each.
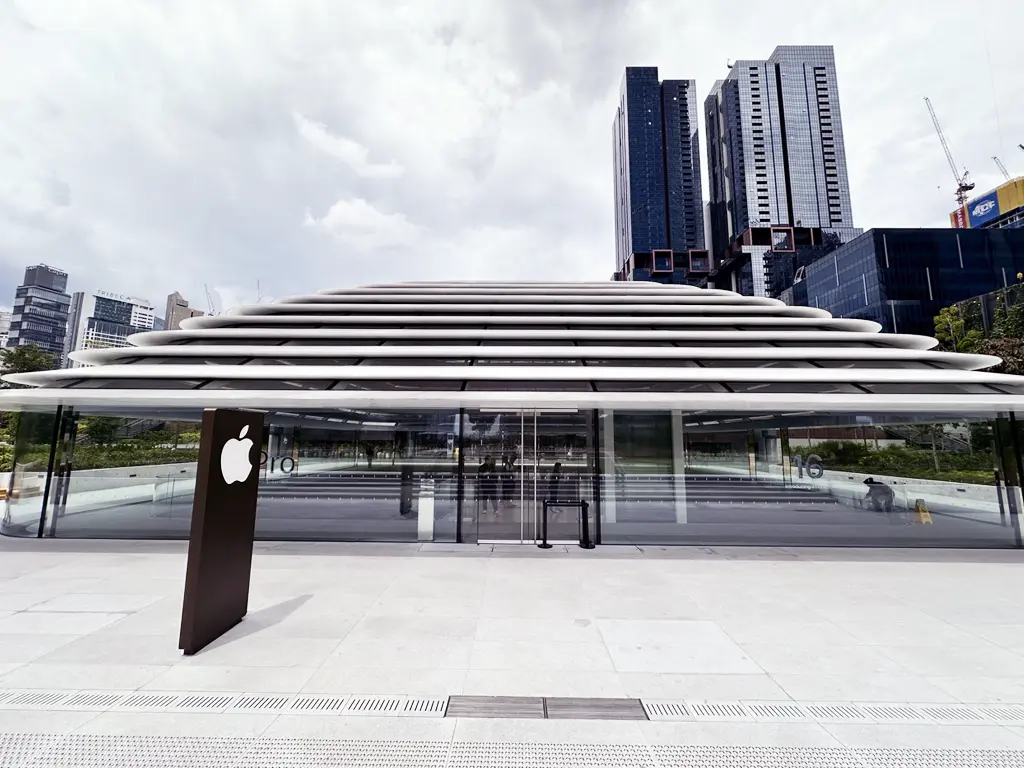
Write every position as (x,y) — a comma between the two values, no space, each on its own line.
(822,660)
(386,680)
(19,649)
(456,606)
(42,721)
(105,677)
(880,688)
(982,690)
(31,622)
(370,627)
(561,682)
(403,652)
(253,650)
(701,687)
(661,631)
(531,655)
(563,630)
(15,601)
(723,658)
(85,602)
(177,724)
(793,633)
(145,650)
(957,661)
(233,679)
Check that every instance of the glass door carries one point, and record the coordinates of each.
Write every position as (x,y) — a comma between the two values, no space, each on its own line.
(519,462)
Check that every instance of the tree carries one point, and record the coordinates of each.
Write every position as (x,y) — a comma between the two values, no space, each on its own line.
(951,331)
(26,359)
(1010,350)
(101,430)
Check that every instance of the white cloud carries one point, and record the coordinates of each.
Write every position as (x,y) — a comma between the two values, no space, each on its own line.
(352,153)
(358,224)
(148,147)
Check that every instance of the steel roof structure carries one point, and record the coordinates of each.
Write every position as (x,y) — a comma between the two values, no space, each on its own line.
(620,345)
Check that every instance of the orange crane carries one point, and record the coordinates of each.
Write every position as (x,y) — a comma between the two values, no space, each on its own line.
(963,182)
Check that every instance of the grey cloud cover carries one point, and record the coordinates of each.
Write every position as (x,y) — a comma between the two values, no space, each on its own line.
(154,146)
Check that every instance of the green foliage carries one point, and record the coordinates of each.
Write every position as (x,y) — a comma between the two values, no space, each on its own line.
(1010,350)
(100,430)
(128,455)
(910,463)
(952,331)
(25,359)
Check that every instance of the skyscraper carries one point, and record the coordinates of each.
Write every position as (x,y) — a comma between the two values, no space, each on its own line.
(104,319)
(178,310)
(659,219)
(40,313)
(776,155)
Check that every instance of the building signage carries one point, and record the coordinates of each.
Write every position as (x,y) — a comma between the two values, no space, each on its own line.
(983,210)
(959,218)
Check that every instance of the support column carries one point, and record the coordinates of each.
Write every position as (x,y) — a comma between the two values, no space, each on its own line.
(1007,448)
(607,449)
(425,512)
(679,465)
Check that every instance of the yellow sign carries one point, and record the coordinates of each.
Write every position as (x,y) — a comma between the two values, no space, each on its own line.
(923,515)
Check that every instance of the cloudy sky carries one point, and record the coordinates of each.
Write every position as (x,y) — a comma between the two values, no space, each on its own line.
(161,145)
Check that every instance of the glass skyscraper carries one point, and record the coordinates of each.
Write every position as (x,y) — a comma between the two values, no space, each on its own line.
(659,220)
(776,155)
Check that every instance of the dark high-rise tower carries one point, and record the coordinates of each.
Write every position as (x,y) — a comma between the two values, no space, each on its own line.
(40,315)
(659,219)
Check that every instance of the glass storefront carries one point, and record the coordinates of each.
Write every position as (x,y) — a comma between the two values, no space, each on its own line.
(644,478)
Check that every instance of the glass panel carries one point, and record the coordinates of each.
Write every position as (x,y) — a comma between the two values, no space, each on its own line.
(26,455)
(126,477)
(826,478)
(500,475)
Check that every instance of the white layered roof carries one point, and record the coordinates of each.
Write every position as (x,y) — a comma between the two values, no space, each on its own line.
(527,345)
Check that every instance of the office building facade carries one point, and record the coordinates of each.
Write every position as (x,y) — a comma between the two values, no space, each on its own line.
(902,278)
(513,412)
(177,309)
(104,319)
(999,208)
(5,328)
(659,217)
(40,312)
(776,152)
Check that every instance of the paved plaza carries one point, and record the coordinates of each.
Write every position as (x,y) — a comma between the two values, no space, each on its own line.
(353,654)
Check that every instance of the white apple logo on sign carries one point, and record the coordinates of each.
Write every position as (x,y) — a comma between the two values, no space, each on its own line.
(234,458)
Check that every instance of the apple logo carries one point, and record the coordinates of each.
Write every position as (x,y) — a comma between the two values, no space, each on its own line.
(234,458)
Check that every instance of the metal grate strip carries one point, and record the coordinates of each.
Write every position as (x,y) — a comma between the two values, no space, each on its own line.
(93,700)
(424,707)
(1007,714)
(835,712)
(36,699)
(374,705)
(496,706)
(318,704)
(775,711)
(952,714)
(667,710)
(261,703)
(594,709)
(205,701)
(719,711)
(149,701)
(893,713)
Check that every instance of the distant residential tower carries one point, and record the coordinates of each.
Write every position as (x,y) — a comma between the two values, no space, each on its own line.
(659,218)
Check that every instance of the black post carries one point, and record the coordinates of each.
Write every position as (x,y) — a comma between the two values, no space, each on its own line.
(544,526)
(999,493)
(585,542)
(54,448)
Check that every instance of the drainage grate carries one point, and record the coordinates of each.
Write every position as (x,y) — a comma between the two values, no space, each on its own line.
(330,704)
(424,707)
(204,701)
(893,713)
(1004,714)
(667,710)
(594,709)
(149,701)
(260,703)
(374,705)
(773,711)
(93,700)
(496,706)
(37,699)
(835,712)
(726,711)
(952,714)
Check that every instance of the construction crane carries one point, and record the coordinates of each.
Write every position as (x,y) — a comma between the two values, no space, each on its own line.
(1001,167)
(209,301)
(963,182)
